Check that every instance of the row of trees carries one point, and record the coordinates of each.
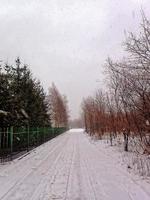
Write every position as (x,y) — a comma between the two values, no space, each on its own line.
(23,101)
(125,106)
(58,107)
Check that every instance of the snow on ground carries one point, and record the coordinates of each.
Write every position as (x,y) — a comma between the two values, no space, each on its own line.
(71,167)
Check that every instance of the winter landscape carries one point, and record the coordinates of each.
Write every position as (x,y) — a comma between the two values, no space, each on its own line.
(75,100)
(71,166)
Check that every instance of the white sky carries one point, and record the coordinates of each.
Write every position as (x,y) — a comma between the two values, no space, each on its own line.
(67,41)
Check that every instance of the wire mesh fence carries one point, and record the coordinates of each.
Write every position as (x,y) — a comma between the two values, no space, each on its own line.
(15,141)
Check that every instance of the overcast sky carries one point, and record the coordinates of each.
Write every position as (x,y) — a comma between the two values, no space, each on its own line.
(67,41)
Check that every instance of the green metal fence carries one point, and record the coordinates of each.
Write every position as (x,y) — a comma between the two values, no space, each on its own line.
(16,140)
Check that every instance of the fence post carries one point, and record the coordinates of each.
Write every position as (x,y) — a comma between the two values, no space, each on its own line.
(28,139)
(0,138)
(44,134)
(11,141)
(37,135)
(53,132)
(7,137)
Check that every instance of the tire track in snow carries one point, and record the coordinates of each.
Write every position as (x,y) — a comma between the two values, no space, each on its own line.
(46,189)
(40,149)
(70,170)
(81,179)
(75,187)
(66,170)
(15,188)
(39,192)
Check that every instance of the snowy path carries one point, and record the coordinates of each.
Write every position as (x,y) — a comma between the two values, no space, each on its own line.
(68,167)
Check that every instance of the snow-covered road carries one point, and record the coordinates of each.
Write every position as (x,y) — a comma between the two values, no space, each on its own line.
(68,167)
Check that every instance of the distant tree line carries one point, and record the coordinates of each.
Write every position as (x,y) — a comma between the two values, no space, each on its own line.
(23,100)
(76,123)
(124,108)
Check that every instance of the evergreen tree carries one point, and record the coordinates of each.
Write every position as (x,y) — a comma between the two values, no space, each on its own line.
(22,98)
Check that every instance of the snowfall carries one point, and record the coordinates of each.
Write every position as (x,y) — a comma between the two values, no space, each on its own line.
(71,166)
